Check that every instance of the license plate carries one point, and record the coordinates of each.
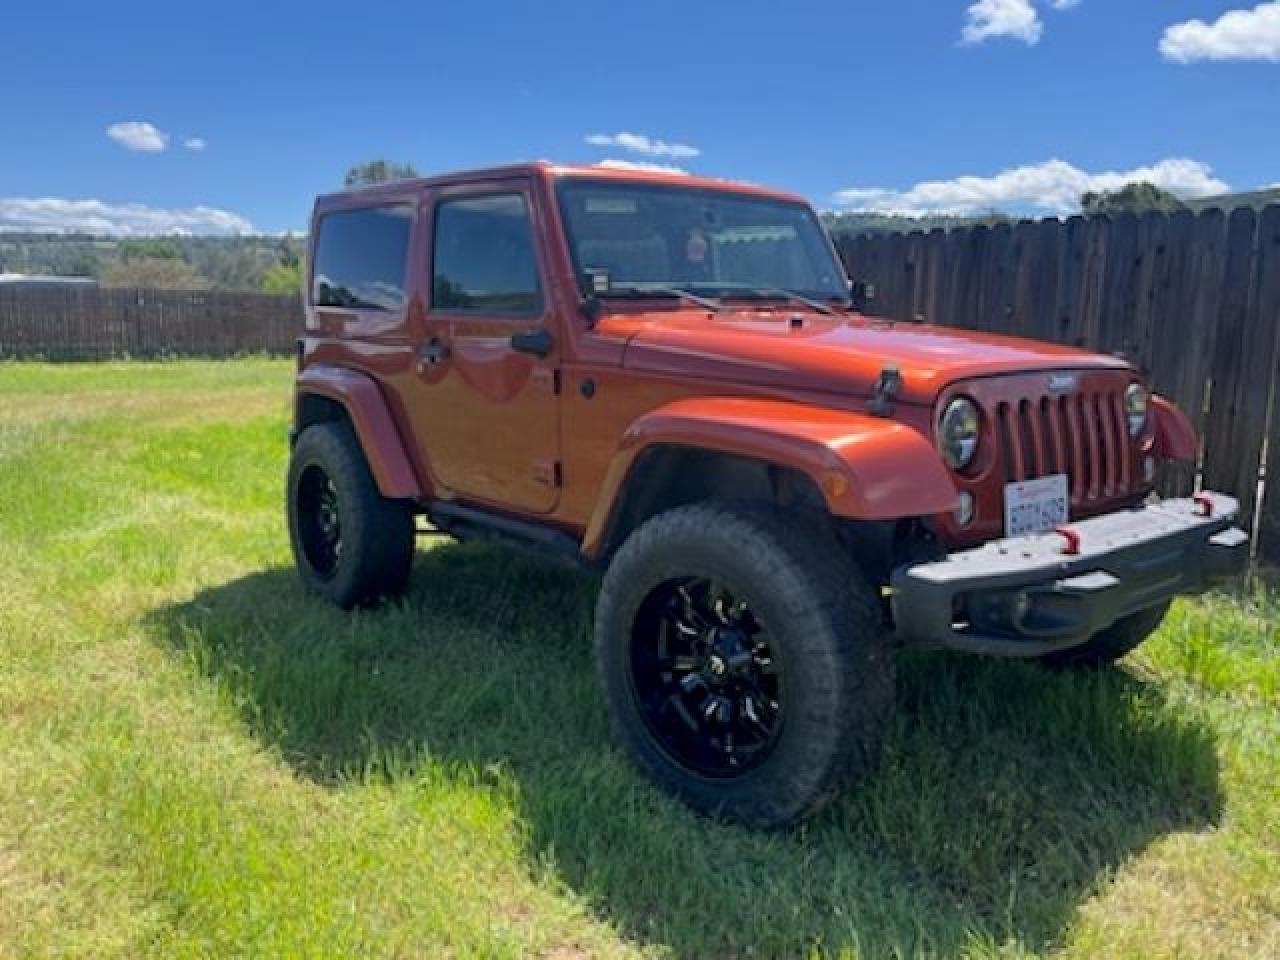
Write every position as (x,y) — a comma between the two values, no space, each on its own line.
(1034,506)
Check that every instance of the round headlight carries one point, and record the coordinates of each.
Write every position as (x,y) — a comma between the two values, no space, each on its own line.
(958,432)
(1137,401)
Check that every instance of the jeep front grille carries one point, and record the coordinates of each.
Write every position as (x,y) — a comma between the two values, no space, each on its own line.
(1084,435)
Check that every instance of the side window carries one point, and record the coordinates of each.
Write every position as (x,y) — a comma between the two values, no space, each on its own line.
(360,258)
(483,256)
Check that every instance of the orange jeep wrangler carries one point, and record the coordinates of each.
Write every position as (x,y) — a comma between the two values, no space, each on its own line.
(665,378)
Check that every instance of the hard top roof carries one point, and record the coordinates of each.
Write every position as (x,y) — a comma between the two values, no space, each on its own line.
(545,168)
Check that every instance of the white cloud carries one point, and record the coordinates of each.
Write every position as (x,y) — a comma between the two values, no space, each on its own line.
(1236,35)
(195,143)
(639,143)
(640,165)
(1007,18)
(1054,187)
(138,135)
(1001,18)
(62,215)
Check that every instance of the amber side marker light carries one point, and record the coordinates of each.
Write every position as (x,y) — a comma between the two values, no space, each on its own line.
(835,485)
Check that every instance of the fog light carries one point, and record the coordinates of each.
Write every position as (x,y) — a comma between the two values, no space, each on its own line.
(965,509)
(1148,469)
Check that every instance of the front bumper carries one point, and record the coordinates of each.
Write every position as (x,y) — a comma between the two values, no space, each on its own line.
(1027,596)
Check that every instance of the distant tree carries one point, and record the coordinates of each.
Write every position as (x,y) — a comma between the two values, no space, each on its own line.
(853,224)
(154,248)
(287,251)
(378,171)
(80,263)
(1137,198)
(234,266)
(283,278)
(153,273)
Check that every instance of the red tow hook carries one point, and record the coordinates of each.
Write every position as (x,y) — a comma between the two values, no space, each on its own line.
(1205,503)
(1072,546)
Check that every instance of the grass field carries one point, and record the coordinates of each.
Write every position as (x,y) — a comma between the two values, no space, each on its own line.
(195,760)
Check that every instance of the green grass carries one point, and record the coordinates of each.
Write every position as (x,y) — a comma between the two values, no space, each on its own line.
(196,760)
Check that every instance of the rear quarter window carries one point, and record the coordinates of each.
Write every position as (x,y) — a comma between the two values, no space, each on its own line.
(361,258)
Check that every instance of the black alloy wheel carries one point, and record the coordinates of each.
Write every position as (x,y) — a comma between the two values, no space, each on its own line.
(319,521)
(705,678)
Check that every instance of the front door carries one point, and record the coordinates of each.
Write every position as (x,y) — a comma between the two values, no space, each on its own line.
(486,410)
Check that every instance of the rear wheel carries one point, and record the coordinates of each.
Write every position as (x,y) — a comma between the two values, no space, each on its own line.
(350,544)
(1107,646)
(744,662)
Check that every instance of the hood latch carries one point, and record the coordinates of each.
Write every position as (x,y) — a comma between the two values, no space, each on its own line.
(885,392)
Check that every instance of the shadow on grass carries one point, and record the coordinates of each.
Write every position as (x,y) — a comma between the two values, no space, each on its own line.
(1006,791)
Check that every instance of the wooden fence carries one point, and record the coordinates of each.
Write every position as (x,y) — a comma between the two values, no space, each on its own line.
(88,323)
(1193,300)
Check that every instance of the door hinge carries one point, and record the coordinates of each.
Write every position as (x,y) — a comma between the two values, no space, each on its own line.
(548,472)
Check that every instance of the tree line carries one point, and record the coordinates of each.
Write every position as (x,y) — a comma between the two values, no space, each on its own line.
(272,264)
(1136,198)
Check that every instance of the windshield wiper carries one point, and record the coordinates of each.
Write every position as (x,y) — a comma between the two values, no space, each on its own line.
(661,291)
(778,293)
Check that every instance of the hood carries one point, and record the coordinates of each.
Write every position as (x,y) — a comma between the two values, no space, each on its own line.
(802,349)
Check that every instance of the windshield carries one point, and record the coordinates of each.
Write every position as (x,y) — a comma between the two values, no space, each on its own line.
(628,236)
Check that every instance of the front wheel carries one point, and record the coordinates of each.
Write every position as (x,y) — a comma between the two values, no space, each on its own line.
(350,544)
(744,662)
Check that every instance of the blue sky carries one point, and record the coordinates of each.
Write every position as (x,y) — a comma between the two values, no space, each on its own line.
(230,115)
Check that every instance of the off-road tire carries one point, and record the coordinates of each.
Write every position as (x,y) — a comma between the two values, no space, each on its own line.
(1109,645)
(825,623)
(376,534)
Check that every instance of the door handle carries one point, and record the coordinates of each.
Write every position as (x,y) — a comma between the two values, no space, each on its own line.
(433,352)
(537,342)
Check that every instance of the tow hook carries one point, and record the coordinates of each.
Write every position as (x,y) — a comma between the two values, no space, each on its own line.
(1072,537)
